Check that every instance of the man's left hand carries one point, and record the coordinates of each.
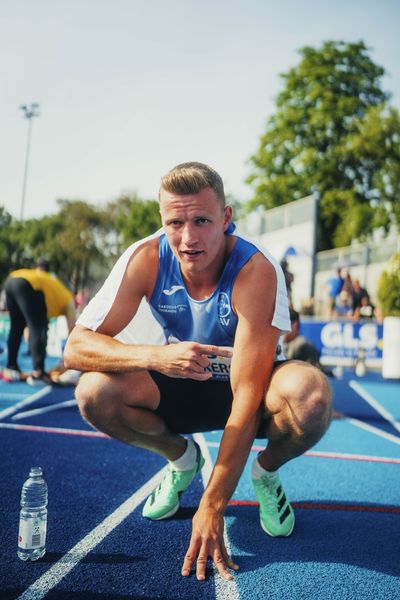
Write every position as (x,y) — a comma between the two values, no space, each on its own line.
(207,541)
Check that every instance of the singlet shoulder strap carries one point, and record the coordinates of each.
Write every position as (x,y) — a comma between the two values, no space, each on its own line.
(240,255)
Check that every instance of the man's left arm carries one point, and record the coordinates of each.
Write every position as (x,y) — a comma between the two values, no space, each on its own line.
(253,357)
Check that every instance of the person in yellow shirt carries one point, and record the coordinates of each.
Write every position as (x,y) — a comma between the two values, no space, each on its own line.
(33,297)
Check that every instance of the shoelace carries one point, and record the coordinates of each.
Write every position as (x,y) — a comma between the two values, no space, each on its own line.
(270,486)
(170,477)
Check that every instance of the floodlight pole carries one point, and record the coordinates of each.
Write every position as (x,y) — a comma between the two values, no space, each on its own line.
(29,112)
(314,242)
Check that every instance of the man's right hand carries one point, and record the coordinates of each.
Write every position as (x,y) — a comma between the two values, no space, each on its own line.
(188,360)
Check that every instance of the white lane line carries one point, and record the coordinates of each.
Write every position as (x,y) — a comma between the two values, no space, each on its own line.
(338,455)
(44,409)
(11,396)
(58,430)
(224,590)
(41,587)
(374,430)
(29,400)
(374,403)
(208,466)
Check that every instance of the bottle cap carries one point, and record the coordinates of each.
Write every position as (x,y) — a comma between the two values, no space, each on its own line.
(35,471)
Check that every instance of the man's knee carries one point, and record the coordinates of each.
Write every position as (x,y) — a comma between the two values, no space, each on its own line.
(315,398)
(90,395)
(303,394)
(103,395)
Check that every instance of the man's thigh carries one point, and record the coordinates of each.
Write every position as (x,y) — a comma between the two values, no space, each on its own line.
(189,406)
(134,389)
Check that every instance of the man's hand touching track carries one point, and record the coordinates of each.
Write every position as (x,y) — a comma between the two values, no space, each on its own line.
(208,541)
(188,360)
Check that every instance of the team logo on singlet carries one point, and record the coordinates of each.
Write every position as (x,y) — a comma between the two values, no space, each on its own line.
(173,289)
(224,308)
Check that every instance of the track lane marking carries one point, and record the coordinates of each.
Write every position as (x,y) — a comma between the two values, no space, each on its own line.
(309,453)
(57,430)
(42,586)
(224,590)
(29,400)
(374,403)
(10,396)
(44,409)
(374,430)
(337,455)
(327,506)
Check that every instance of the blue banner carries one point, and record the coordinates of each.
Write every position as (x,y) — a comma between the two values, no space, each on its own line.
(339,339)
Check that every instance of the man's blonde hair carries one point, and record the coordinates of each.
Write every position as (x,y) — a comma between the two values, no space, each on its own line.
(191,178)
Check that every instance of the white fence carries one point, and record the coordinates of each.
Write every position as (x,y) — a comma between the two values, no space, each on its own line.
(289,231)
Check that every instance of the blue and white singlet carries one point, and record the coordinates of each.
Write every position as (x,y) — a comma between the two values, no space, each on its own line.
(209,321)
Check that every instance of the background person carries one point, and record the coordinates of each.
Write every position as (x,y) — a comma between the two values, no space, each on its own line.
(357,293)
(344,305)
(348,283)
(296,346)
(209,290)
(289,278)
(334,286)
(33,296)
(366,309)
(82,297)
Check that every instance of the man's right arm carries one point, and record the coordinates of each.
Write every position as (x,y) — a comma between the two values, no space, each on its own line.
(90,345)
(88,350)
(97,350)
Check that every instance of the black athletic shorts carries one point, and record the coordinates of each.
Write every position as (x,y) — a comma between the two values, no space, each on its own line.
(190,406)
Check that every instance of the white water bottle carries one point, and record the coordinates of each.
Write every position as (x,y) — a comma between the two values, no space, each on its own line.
(33,517)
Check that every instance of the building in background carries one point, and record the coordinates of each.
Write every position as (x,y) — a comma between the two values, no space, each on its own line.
(289,232)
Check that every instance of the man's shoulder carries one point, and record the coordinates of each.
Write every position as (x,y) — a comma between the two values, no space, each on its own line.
(146,247)
(142,250)
(259,267)
(263,264)
(136,265)
(143,260)
(247,242)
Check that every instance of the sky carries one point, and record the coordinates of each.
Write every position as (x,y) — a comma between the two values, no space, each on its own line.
(129,88)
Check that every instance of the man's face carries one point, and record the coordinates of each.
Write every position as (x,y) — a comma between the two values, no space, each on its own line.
(195,225)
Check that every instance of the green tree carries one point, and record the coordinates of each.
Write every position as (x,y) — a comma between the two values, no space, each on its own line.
(5,243)
(15,251)
(134,218)
(74,241)
(389,288)
(82,250)
(333,133)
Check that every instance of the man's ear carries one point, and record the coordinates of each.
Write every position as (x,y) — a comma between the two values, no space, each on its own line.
(227,216)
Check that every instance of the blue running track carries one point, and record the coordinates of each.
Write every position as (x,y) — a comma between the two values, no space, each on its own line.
(346,494)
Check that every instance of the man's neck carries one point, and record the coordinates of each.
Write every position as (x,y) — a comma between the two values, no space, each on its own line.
(201,284)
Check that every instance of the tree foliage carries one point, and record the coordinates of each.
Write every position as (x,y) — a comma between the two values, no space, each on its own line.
(81,241)
(135,218)
(82,247)
(335,134)
(389,288)
(5,242)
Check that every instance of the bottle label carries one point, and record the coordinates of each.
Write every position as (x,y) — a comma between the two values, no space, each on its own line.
(32,533)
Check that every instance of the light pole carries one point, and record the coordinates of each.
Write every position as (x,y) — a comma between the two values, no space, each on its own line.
(29,112)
